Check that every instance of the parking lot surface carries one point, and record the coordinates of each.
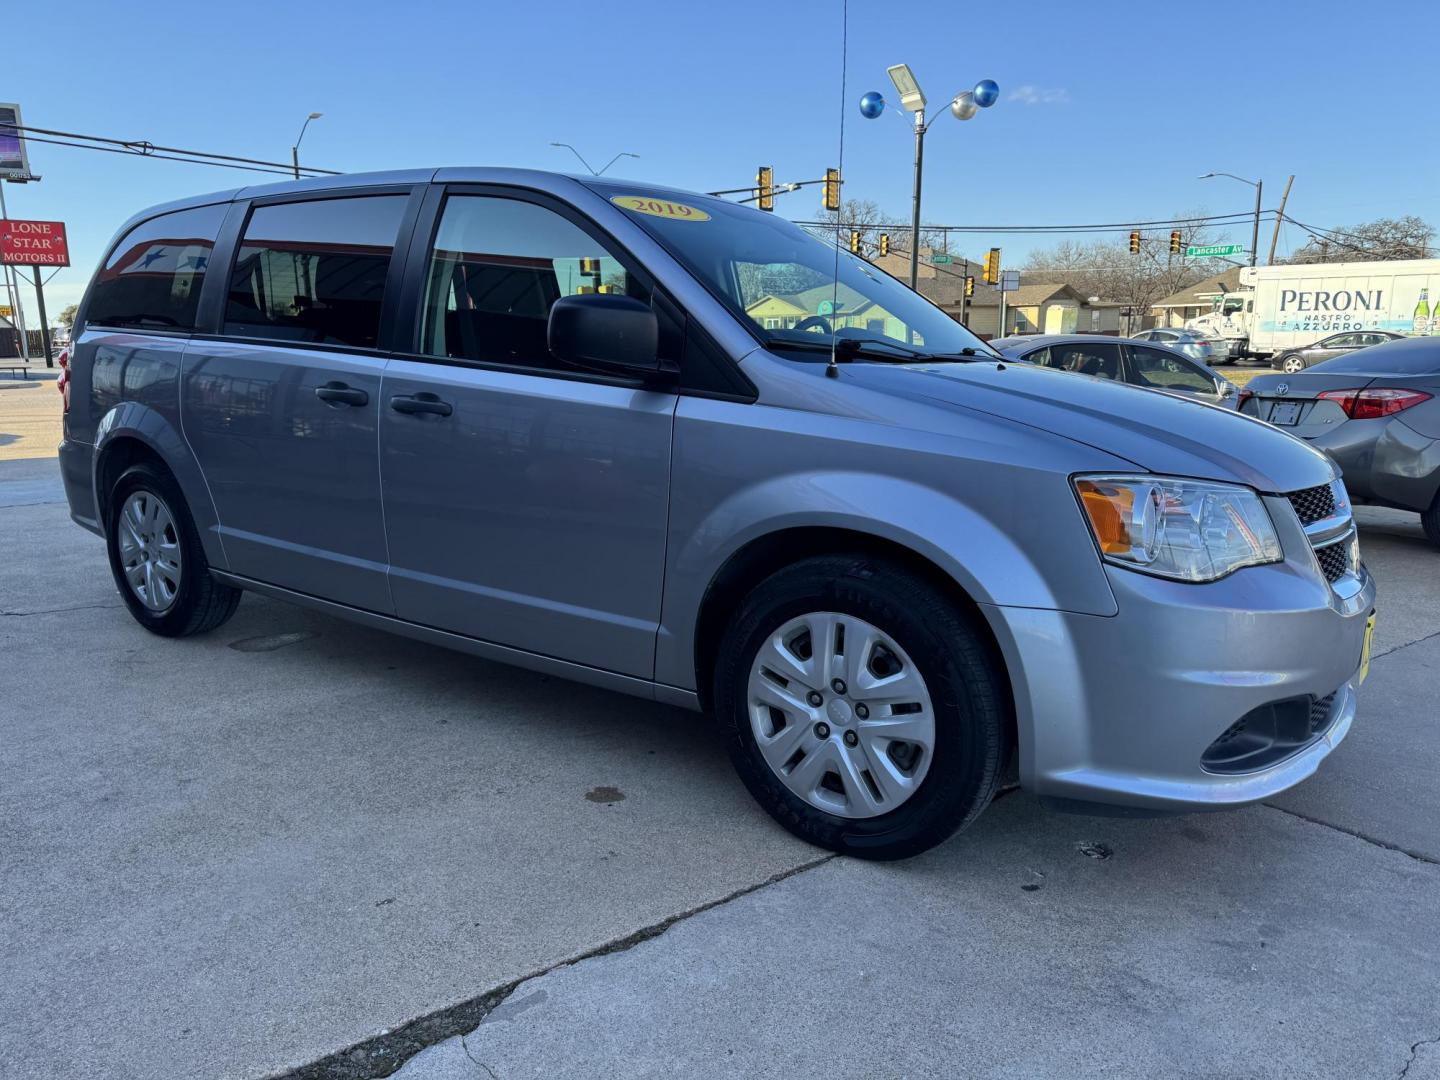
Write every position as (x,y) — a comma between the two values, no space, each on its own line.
(243,854)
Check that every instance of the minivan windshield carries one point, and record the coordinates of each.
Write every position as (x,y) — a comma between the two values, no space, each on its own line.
(783,280)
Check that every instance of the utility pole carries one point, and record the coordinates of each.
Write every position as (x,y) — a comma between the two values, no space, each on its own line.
(1279,217)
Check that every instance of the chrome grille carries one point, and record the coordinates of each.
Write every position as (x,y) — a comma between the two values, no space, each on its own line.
(1313,504)
(1334,560)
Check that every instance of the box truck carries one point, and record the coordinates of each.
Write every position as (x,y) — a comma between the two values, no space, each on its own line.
(1288,307)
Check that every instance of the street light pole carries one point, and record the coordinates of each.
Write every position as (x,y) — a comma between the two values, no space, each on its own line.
(1259,186)
(915,211)
(963,106)
(1255,232)
(295,150)
(590,168)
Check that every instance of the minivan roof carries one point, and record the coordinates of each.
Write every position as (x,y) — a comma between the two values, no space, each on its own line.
(454,174)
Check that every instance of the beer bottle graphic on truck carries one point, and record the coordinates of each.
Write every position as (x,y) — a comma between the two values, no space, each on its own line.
(1426,321)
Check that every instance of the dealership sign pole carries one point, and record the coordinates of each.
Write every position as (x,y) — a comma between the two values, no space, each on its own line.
(35,244)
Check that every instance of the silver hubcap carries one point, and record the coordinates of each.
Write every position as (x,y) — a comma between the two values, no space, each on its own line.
(841,714)
(150,550)
(1292,365)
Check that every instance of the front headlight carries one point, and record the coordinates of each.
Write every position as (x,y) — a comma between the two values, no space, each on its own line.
(1190,530)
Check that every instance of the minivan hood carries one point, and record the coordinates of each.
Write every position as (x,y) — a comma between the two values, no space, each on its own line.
(1159,432)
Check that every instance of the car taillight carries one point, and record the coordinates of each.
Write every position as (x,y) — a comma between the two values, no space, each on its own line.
(1375,402)
(63,383)
(1245,395)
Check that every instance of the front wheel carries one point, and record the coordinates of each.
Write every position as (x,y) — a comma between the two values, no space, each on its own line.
(1292,364)
(862,708)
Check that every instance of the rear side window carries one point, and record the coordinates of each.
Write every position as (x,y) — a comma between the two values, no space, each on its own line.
(153,277)
(315,271)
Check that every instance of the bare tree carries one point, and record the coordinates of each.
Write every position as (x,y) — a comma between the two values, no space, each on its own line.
(1383,239)
(1108,270)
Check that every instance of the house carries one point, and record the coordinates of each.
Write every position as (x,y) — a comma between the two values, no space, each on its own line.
(839,305)
(1196,300)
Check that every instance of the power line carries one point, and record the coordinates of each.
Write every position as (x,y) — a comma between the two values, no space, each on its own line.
(145,148)
(1124,226)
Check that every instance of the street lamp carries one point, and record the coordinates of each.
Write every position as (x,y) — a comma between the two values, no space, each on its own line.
(295,150)
(592,171)
(1259,186)
(963,106)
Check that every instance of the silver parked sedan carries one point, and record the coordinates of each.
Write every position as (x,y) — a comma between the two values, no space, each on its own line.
(1376,412)
(1194,345)
(1154,367)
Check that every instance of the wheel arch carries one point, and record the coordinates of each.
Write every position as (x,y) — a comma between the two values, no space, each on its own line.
(132,433)
(767,554)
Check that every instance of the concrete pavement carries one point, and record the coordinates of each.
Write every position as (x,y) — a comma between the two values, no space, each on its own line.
(243,854)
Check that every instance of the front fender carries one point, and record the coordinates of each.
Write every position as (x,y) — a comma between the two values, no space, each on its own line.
(145,424)
(995,565)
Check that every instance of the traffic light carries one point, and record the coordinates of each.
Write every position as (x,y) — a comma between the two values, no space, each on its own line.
(855,241)
(992,266)
(765,183)
(884,243)
(1134,243)
(1175,242)
(832,189)
(970,285)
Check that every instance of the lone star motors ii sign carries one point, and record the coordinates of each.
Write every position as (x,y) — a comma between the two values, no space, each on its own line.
(33,243)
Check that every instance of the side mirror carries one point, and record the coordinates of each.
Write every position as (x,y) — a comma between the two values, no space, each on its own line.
(605,332)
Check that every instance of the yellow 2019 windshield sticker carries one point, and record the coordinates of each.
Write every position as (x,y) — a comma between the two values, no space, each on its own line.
(661,208)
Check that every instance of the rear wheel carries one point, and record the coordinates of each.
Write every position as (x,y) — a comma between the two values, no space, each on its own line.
(1430,521)
(1292,364)
(156,557)
(861,707)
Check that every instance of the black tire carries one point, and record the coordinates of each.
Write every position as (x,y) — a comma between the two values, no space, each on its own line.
(201,602)
(966,681)
(1430,521)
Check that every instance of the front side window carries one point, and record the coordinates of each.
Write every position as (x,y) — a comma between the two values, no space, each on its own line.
(793,288)
(153,277)
(1164,372)
(315,271)
(496,268)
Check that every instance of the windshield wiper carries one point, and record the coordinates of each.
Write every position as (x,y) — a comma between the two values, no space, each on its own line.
(847,349)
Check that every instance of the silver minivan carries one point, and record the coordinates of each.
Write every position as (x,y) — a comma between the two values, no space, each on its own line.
(681,448)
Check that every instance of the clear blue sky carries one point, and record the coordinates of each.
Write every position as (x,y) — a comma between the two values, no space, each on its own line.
(1108,111)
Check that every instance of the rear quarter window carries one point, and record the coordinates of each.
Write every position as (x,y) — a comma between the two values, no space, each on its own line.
(153,277)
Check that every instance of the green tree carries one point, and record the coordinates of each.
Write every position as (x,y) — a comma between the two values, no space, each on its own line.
(66,318)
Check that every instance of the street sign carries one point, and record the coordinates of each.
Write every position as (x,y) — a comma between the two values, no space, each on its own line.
(1009,280)
(1210,251)
(33,243)
(941,260)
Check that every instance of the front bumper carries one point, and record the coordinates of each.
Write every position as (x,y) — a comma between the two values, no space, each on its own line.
(1120,710)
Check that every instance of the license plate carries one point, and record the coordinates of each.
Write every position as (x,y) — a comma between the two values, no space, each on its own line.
(1365,648)
(1285,412)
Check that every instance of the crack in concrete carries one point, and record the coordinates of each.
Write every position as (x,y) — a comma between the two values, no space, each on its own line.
(1429,860)
(1414,1052)
(383,1054)
(56,610)
(464,1045)
(1397,648)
